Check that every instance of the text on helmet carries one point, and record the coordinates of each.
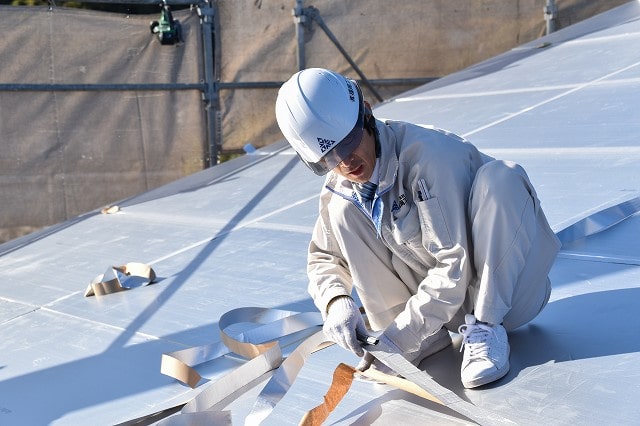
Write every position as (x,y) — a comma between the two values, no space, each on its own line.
(352,95)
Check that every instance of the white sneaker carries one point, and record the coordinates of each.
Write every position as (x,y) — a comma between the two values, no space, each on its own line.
(486,353)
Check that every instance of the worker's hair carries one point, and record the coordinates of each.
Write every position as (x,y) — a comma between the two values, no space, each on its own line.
(370,127)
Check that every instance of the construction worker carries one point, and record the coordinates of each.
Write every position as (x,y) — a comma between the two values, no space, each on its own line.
(434,235)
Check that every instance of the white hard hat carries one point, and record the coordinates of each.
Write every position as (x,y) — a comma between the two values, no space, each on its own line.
(321,114)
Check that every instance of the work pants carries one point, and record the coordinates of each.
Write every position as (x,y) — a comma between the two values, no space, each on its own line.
(513,249)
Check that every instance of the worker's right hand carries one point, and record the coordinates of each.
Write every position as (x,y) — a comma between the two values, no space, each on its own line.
(343,319)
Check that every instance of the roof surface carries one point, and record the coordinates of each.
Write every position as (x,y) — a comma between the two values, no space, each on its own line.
(566,107)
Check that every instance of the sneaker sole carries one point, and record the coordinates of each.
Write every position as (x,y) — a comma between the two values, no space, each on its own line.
(480,381)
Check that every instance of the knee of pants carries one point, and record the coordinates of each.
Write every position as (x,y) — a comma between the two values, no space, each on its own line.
(501,180)
(526,310)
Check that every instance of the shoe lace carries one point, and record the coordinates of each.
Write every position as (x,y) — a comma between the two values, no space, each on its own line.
(475,338)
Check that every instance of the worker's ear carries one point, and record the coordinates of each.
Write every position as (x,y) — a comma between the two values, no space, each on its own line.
(369,121)
(367,108)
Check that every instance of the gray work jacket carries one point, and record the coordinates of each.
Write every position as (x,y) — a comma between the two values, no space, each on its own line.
(420,215)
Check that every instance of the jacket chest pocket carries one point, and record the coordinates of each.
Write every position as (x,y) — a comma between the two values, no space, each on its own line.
(435,233)
(405,229)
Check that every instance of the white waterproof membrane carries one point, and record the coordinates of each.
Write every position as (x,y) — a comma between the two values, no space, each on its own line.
(566,107)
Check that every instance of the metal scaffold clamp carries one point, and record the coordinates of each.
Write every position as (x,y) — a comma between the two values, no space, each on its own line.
(168,29)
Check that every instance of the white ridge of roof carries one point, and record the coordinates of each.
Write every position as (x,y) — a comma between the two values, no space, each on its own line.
(566,107)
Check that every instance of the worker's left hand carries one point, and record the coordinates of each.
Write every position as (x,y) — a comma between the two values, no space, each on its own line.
(368,360)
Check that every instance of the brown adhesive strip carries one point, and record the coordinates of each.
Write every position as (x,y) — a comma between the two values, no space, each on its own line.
(174,367)
(342,379)
(341,383)
(400,383)
(272,325)
(246,349)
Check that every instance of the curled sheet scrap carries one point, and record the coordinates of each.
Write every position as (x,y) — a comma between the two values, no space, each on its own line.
(262,346)
(120,278)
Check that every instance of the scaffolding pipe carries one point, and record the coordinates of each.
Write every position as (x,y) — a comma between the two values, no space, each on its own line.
(201,87)
(217,75)
(550,13)
(210,94)
(300,19)
(315,15)
(138,2)
(62,87)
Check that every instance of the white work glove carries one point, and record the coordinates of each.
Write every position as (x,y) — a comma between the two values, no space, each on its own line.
(369,360)
(342,323)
